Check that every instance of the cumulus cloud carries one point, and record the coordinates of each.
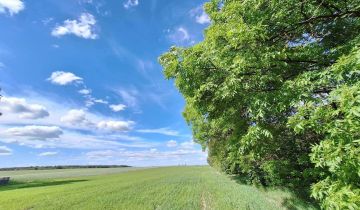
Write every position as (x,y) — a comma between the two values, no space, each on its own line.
(35,132)
(47,154)
(84,27)
(163,131)
(117,107)
(115,125)
(4,150)
(63,78)
(171,143)
(131,3)
(24,109)
(76,117)
(11,6)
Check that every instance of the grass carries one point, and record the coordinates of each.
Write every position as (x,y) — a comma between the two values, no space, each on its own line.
(153,188)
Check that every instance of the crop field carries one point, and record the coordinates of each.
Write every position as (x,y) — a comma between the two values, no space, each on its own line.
(31,175)
(197,187)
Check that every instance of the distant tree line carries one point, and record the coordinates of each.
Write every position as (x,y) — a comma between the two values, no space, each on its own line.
(62,167)
(273,94)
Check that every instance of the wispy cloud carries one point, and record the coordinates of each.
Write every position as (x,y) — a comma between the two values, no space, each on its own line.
(4,150)
(48,20)
(171,143)
(163,131)
(180,36)
(141,155)
(76,140)
(129,96)
(130,3)
(84,27)
(47,154)
(11,6)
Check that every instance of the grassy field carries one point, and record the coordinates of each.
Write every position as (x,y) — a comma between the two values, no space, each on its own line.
(31,175)
(152,188)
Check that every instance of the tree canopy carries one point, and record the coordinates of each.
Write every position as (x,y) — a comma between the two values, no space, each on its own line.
(273,93)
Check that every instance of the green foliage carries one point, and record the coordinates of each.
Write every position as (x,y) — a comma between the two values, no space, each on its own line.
(272,92)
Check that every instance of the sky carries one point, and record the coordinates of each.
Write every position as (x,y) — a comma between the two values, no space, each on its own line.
(81,83)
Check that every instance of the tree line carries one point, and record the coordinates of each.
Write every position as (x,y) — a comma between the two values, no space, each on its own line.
(273,94)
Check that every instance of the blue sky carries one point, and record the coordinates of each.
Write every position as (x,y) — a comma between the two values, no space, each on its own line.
(82,84)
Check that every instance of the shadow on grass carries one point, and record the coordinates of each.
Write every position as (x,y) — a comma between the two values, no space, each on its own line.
(13,185)
(299,197)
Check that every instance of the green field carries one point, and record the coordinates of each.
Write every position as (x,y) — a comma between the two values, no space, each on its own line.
(137,188)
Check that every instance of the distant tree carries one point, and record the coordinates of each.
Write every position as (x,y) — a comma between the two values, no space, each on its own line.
(273,93)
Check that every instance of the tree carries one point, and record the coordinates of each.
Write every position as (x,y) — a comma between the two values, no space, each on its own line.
(269,81)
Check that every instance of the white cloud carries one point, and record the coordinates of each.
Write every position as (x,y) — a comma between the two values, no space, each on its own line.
(180,35)
(76,117)
(83,27)
(12,6)
(141,155)
(115,125)
(117,107)
(183,33)
(171,143)
(163,131)
(4,150)
(85,91)
(90,101)
(46,21)
(22,108)
(100,101)
(35,132)
(76,140)
(63,78)
(187,145)
(105,154)
(46,154)
(2,65)
(203,18)
(129,96)
(131,3)
(200,15)
(85,135)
